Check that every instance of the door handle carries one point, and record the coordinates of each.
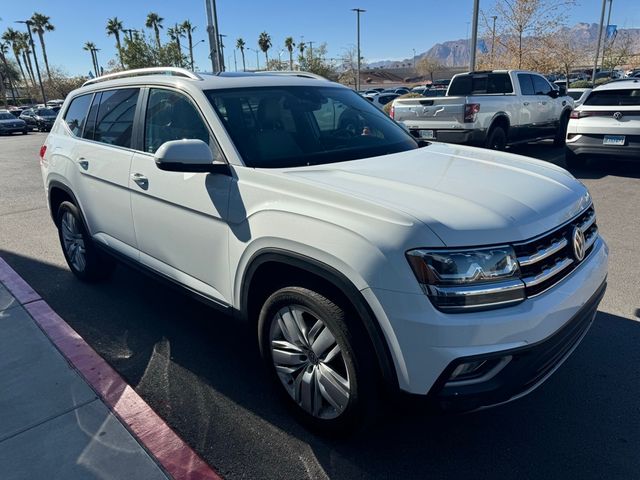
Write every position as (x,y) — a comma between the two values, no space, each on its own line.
(526,104)
(544,103)
(83,162)
(141,180)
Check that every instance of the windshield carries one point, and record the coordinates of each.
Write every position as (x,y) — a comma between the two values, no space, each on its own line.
(6,116)
(45,112)
(280,126)
(614,97)
(575,95)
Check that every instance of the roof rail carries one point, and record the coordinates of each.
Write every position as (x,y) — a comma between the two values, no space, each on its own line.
(174,71)
(292,73)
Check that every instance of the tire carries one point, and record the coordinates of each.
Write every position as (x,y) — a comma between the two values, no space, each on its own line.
(573,161)
(292,319)
(25,131)
(497,139)
(560,139)
(85,261)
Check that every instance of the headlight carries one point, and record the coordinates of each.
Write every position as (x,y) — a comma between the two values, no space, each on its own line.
(470,279)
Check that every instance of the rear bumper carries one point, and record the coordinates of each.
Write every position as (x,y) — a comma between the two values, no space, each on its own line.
(523,370)
(467,137)
(591,144)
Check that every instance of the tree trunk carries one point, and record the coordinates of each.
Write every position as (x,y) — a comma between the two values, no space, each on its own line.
(520,51)
(94,57)
(3,91)
(190,49)
(119,46)
(244,66)
(44,54)
(6,66)
(291,60)
(157,30)
(266,55)
(179,49)
(17,55)
(27,62)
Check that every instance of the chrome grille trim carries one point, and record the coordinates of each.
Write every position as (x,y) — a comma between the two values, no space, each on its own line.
(547,273)
(591,239)
(588,222)
(543,253)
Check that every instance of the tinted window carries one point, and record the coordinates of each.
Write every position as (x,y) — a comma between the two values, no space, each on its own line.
(114,120)
(540,85)
(76,114)
(479,84)
(526,84)
(300,125)
(614,97)
(171,116)
(575,95)
(6,116)
(90,124)
(45,112)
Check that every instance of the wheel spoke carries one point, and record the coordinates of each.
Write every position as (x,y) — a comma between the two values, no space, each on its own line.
(315,330)
(307,384)
(284,357)
(290,328)
(332,354)
(335,388)
(322,342)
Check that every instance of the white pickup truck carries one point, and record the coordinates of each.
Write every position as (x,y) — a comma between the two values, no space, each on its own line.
(489,108)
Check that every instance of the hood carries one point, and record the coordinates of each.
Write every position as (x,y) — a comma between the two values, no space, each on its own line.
(467,196)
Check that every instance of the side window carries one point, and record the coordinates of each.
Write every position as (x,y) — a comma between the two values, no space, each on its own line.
(540,85)
(171,116)
(114,121)
(526,85)
(76,114)
(90,124)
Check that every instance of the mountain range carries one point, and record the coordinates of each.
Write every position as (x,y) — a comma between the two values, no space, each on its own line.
(455,53)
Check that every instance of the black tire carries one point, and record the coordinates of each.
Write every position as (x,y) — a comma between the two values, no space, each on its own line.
(25,131)
(574,161)
(560,139)
(497,139)
(97,265)
(356,354)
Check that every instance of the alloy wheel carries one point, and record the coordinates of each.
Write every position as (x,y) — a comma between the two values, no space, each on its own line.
(73,241)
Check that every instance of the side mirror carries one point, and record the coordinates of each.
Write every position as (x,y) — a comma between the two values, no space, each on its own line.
(188,155)
(554,93)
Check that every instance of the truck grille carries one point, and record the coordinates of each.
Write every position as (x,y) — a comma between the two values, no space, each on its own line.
(547,259)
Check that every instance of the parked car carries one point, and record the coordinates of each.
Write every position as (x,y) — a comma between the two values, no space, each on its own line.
(607,124)
(359,259)
(578,95)
(491,109)
(10,124)
(381,99)
(39,118)
(398,90)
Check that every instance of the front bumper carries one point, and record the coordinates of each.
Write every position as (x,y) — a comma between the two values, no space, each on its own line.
(591,144)
(20,128)
(525,369)
(425,342)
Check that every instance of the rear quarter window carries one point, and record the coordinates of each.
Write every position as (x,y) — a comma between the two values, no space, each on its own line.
(76,115)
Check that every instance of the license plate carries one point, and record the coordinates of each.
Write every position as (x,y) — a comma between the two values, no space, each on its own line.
(613,140)
(428,134)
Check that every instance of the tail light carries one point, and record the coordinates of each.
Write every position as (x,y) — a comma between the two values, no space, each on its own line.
(471,112)
(43,150)
(392,111)
(591,113)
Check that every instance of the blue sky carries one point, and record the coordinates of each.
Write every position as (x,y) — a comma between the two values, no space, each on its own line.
(389,30)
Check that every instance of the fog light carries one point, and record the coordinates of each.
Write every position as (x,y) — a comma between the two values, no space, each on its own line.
(466,369)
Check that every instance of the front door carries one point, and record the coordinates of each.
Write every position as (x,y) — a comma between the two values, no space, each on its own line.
(180,218)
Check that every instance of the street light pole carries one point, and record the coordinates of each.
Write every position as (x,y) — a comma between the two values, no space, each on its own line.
(35,57)
(474,34)
(606,32)
(414,58)
(220,37)
(358,12)
(595,64)
(212,30)
(493,40)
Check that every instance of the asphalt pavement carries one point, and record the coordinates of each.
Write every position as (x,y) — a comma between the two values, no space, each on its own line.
(201,372)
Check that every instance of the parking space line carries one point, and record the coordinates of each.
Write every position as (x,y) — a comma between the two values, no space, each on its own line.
(152,432)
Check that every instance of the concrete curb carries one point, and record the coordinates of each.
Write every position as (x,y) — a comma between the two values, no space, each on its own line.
(171,452)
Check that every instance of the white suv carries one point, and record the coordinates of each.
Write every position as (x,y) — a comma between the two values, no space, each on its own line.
(606,124)
(364,259)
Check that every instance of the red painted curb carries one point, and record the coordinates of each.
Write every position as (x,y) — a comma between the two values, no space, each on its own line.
(170,451)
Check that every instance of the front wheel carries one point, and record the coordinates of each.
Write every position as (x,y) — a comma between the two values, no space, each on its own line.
(85,261)
(561,134)
(320,365)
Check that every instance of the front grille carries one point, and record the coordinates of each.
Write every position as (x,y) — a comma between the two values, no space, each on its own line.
(547,259)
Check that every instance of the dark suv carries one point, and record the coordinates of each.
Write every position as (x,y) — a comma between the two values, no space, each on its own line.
(39,118)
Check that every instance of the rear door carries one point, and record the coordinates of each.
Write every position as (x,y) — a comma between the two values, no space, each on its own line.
(180,218)
(102,159)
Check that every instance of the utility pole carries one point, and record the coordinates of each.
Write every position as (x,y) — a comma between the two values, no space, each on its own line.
(212,30)
(220,37)
(358,12)
(606,32)
(493,40)
(35,57)
(310,48)
(414,58)
(595,63)
(474,34)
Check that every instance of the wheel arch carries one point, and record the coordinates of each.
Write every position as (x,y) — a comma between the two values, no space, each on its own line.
(500,119)
(325,276)
(59,192)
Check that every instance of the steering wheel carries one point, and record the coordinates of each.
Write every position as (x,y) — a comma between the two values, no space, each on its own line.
(350,124)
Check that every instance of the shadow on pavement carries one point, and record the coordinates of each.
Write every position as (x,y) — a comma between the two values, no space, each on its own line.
(201,372)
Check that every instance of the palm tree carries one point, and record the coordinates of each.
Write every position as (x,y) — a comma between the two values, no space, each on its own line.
(188,29)
(264,41)
(91,47)
(175,33)
(288,43)
(114,27)
(155,21)
(25,48)
(240,46)
(13,37)
(39,24)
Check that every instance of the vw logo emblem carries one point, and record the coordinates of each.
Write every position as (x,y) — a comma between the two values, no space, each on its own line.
(578,243)
(617,115)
